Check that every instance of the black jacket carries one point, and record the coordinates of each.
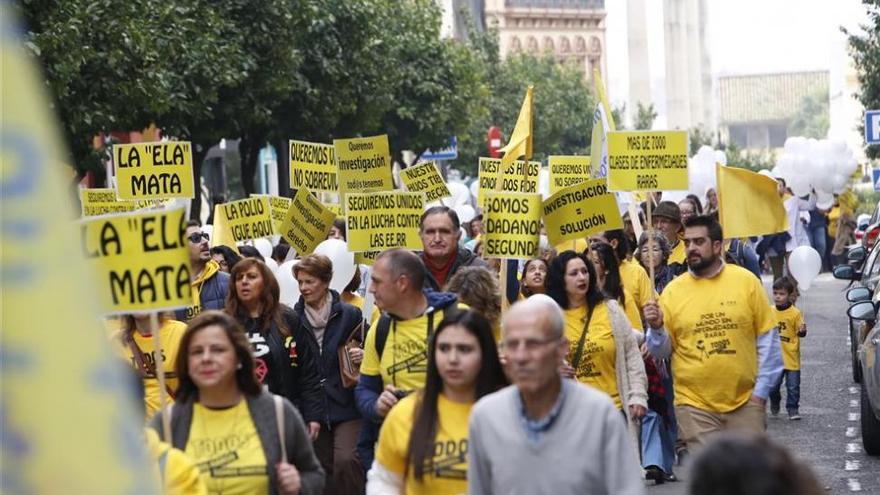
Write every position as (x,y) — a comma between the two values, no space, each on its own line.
(288,365)
(463,257)
(344,319)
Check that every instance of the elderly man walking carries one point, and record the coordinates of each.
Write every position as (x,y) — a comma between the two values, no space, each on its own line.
(545,434)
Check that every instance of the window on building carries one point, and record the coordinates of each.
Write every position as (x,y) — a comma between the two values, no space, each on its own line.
(778,134)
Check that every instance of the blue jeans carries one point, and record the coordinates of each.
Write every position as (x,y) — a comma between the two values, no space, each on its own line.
(818,239)
(792,391)
(658,442)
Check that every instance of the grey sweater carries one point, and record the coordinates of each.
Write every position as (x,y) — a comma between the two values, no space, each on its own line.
(585,451)
(262,408)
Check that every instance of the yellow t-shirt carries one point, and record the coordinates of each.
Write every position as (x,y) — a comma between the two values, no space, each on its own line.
(833,217)
(632,310)
(180,475)
(790,322)
(404,360)
(635,279)
(358,302)
(449,462)
(170,333)
(596,367)
(714,324)
(225,446)
(678,254)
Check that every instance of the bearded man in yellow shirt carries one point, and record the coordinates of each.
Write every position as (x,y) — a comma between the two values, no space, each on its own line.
(716,324)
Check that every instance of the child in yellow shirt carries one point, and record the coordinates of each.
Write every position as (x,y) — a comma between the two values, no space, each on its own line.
(791,329)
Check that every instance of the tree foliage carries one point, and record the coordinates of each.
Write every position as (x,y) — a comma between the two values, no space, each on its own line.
(865,50)
(645,116)
(812,118)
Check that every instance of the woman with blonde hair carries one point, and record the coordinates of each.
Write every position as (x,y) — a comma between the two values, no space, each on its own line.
(478,288)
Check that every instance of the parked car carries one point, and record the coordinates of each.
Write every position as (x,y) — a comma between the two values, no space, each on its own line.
(869,362)
(872,231)
(866,282)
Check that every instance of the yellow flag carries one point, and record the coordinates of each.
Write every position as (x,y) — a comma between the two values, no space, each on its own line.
(68,421)
(748,203)
(520,142)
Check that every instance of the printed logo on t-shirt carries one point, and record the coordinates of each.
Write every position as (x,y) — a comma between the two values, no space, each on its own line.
(410,356)
(449,460)
(193,311)
(712,329)
(587,368)
(222,451)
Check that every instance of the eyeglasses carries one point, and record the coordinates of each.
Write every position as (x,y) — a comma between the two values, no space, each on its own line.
(530,345)
(197,237)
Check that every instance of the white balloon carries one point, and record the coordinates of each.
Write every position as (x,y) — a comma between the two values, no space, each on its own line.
(721,157)
(824,200)
(475,188)
(264,247)
(208,229)
(766,173)
(460,193)
(799,184)
(804,263)
(544,182)
(287,283)
(465,213)
(272,264)
(343,262)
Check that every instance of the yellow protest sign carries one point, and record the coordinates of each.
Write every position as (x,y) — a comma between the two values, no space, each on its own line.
(306,223)
(366,257)
(278,206)
(647,160)
(242,220)
(384,220)
(512,224)
(425,178)
(363,164)
(103,202)
(68,417)
(141,260)
(513,179)
(567,171)
(154,170)
(336,208)
(313,165)
(580,210)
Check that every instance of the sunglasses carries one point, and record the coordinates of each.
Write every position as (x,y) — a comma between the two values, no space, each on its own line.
(198,236)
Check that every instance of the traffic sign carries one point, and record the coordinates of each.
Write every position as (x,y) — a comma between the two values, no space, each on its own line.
(872,126)
(450,152)
(875,175)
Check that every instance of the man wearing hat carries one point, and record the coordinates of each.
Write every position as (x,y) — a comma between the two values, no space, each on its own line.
(666,218)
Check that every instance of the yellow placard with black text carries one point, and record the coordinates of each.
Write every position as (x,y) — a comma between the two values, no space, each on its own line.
(366,257)
(647,160)
(103,202)
(141,260)
(242,220)
(425,178)
(567,171)
(383,220)
(580,210)
(363,164)
(154,170)
(511,224)
(336,208)
(278,206)
(306,223)
(313,165)
(513,179)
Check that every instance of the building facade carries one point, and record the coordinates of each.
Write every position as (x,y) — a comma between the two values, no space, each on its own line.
(573,31)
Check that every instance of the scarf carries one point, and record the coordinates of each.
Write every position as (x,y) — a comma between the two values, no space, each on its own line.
(440,272)
(318,318)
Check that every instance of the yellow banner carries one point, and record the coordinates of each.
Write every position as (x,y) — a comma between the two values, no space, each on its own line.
(103,202)
(567,171)
(427,179)
(512,179)
(306,223)
(278,206)
(68,417)
(141,260)
(580,210)
(154,170)
(647,161)
(366,257)
(385,220)
(512,224)
(364,164)
(242,220)
(336,208)
(313,165)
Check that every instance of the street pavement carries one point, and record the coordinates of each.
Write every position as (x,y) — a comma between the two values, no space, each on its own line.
(828,438)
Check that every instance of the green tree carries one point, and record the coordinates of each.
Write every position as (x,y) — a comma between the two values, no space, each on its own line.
(812,118)
(865,50)
(645,116)
(699,136)
(754,160)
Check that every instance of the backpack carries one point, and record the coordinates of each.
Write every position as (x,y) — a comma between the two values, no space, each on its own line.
(383,328)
